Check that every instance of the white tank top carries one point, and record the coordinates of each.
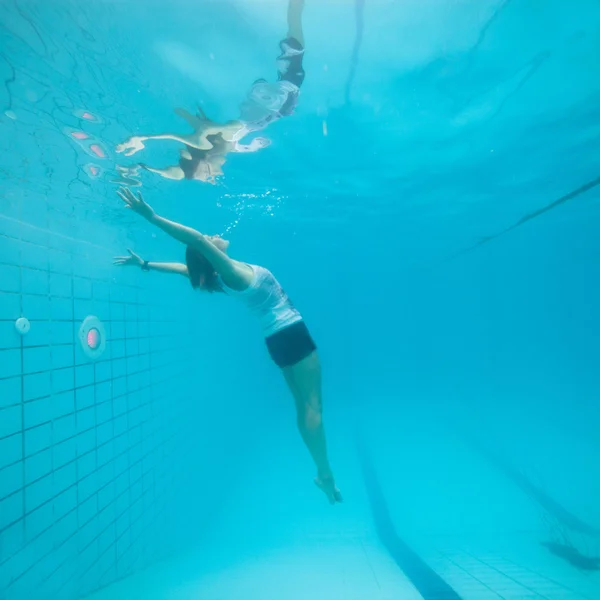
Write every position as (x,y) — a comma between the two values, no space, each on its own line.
(267,299)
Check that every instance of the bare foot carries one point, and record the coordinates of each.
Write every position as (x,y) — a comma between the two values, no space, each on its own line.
(131,146)
(327,485)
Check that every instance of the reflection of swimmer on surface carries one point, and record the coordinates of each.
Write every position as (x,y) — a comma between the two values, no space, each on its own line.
(264,104)
(209,268)
(201,165)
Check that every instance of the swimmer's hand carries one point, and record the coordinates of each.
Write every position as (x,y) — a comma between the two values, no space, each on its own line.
(136,203)
(131,146)
(133,260)
(327,485)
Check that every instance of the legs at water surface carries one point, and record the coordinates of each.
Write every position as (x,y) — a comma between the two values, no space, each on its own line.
(304,381)
(294,17)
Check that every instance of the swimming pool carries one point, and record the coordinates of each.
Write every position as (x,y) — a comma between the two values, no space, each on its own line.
(422,178)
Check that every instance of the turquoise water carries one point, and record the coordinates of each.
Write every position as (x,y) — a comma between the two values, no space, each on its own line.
(431,206)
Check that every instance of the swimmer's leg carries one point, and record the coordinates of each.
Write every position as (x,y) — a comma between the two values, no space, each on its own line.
(228,132)
(294,17)
(304,381)
(196,122)
(175,172)
(136,143)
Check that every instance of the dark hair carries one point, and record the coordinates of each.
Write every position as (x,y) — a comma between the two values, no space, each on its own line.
(201,273)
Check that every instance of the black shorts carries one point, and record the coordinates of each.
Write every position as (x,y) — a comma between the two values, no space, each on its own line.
(291,345)
(289,62)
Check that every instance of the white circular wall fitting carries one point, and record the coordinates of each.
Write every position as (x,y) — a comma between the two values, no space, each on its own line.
(92,337)
(22,325)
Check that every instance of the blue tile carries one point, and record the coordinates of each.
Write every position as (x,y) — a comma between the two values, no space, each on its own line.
(35,282)
(11,509)
(65,477)
(61,332)
(103,387)
(87,487)
(61,286)
(10,363)
(84,397)
(64,452)
(61,357)
(64,428)
(117,347)
(119,370)
(84,375)
(103,412)
(81,264)
(121,444)
(121,483)
(63,380)
(33,235)
(10,391)
(37,412)
(10,306)
(10,421)
(13,539)
(63,403)
(39,335)
(86,419)
(34,256)
(131,331)
(83,309)
(61,309)
(11,278)
(87,535)
(117,308)
(86,463)
(38,521)
(86,441)
(38,466)
(9,338)
(36,308)
(63,241)
(101,290)
(82,288)
(11,449)
(38,439)
(9,225)
(105,453)
(36,386)
(36,359)
(34,212)
(11,479)
(65,502)
(9,250)
(106,495)
(105,432)
(131,313)
(117,330)
(60,262)
(105,474)
(39,492)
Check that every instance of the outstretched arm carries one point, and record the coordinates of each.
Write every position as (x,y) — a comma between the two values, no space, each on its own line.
(134,260)
(235,275)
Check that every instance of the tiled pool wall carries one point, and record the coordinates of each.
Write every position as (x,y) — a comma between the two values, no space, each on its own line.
(93,454)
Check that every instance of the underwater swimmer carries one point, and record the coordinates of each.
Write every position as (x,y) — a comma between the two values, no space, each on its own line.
(264,104)
(209,268)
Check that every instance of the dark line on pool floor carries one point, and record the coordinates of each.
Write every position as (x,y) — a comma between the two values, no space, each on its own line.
(547,502)
(428,583)
(528,217)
